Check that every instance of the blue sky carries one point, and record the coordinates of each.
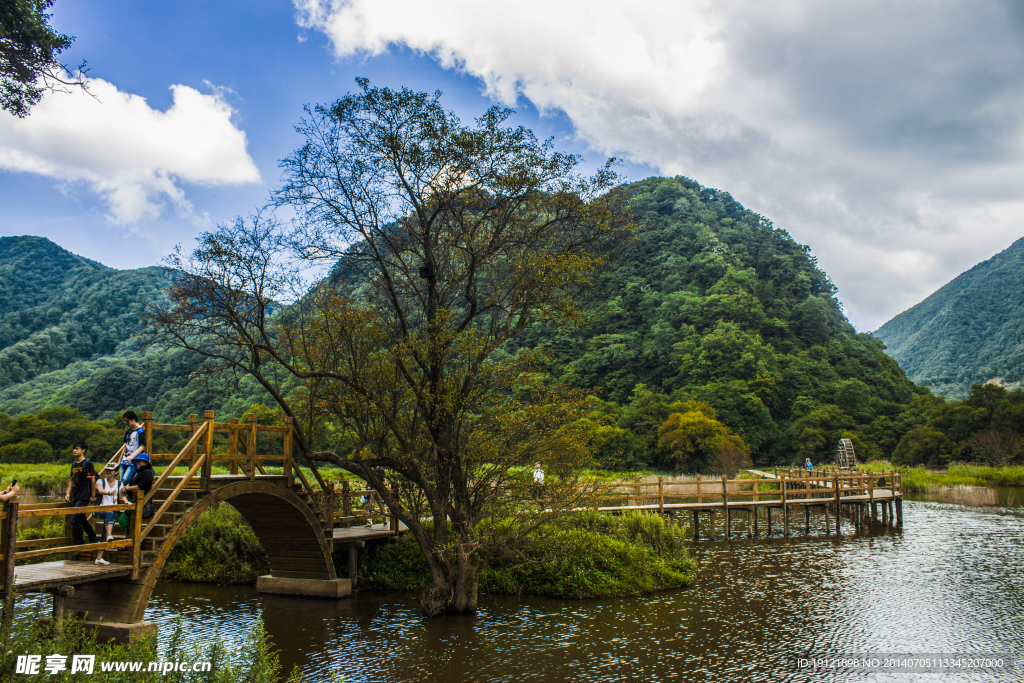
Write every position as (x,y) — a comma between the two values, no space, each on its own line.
(889,138)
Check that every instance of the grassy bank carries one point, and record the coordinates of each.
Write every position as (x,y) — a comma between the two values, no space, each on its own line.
(921,480)
(597,556)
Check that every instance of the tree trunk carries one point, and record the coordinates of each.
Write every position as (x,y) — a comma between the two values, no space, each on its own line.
(467,581)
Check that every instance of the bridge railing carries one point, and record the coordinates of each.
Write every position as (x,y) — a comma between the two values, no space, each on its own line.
(239,451)
(348,508)
(656,494)
(15,514)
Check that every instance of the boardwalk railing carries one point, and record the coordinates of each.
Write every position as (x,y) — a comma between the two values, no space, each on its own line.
(348,507)
(855,492)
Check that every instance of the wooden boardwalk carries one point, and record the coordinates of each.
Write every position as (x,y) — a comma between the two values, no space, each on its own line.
(35,577)
(860,496)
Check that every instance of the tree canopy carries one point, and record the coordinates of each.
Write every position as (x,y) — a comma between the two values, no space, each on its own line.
(29,50)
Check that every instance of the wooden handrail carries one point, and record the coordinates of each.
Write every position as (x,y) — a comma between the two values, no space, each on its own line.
(42,552)
(174,463)
(64,511)
(174,495)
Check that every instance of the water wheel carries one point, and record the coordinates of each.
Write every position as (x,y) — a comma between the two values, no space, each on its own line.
(846,459)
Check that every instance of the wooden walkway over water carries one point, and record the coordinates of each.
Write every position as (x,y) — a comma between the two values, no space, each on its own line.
(863,497)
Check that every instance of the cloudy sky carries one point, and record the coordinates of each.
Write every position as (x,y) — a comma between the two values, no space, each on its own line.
(888,136)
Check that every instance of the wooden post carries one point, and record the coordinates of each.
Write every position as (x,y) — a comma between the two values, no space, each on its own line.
(828,522)
(208,448)
(899,512)
(289,477)
(147,424)
(807,518)
(136,533)
(839,509)
(8,544)
(193,427)
(696,526)
(346,503)
(750,522)
(754,510)
(700,497)
(661,496)
(711,525)
(768,510)
(871,498)
(396,493)
(250,444)
(353,564)
(785,509)
(756,497)
(233,446)
(636,501)
(725,507)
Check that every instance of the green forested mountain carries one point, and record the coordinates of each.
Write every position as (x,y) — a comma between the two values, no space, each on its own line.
(970,331)
(66,327)
(57,308)
(710,330)
(712,304)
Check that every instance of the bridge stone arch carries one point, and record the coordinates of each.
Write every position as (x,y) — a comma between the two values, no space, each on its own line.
(290,533)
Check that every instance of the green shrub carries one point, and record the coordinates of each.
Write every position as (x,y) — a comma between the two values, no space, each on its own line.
(220,547)
(593,556)
(28,451)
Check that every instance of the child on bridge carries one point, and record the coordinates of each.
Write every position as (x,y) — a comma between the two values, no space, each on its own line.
(134,446)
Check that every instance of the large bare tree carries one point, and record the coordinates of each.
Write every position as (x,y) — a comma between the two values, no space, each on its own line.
(444,242)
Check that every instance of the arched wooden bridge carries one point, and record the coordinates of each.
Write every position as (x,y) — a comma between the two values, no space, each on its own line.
(293,520)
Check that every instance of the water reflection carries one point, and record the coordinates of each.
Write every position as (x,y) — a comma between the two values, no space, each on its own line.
(948,582)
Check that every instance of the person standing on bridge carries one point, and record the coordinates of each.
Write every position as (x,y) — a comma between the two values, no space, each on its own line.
(808,465)
(81,492)
(134,446)
(109,488)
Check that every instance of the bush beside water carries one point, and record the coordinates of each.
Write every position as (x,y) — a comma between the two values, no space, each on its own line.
(596,556)
(220,547)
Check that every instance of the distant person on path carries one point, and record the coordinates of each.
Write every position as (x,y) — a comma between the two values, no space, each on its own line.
(81,492)
(808,465)
(109,488)
(538,482)
(134,446)
(9,492)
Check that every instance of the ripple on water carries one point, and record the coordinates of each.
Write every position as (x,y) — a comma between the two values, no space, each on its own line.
(949,582)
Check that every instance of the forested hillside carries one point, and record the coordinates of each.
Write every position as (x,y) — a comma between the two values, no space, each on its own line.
(711,306)
(57,308)
(970,331)
(710,332)
(66,327)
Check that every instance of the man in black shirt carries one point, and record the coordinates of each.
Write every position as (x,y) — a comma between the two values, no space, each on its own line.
(81,493)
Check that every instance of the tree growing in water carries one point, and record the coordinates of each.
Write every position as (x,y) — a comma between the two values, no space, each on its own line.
(445,242)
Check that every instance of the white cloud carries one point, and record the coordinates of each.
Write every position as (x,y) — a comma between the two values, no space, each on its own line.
(135,156)
(888,137)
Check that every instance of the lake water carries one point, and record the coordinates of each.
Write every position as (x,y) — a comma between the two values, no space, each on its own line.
(949,582)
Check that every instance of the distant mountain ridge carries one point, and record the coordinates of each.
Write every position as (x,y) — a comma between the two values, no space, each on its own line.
(970,331)
(57,307)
